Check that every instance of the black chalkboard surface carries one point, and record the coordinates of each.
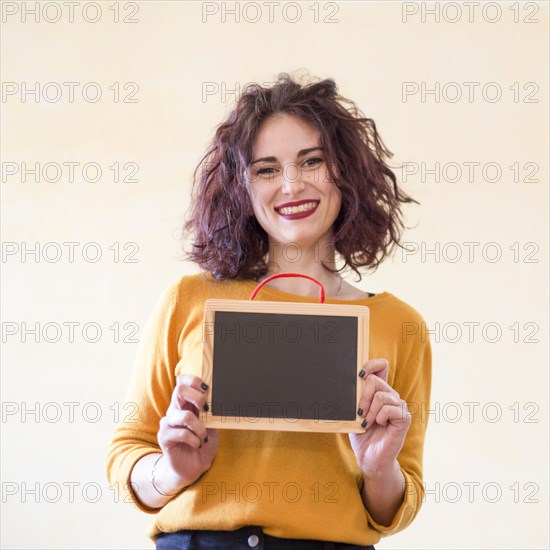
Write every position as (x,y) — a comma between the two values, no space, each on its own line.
(284,365)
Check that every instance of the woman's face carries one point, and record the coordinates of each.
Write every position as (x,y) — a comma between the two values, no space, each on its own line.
(292,195)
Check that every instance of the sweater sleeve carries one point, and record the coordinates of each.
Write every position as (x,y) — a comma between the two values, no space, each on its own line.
(150,389)
(413,383)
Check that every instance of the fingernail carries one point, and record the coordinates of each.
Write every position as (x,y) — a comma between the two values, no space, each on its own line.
(361,373)
(205,406)
(206,439)
(204,386)
(364,423)
(360,411)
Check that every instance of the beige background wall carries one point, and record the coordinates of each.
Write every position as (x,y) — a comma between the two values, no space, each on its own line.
(487,448)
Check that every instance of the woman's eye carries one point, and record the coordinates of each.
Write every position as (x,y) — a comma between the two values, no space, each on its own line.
(313,161)
(270,170)
(265,171)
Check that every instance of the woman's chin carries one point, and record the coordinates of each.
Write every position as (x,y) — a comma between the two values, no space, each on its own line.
(297,240)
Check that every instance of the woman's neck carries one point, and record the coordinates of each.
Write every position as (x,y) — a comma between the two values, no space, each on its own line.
(295,258)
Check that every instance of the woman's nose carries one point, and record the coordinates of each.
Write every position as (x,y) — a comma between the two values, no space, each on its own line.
(292,179)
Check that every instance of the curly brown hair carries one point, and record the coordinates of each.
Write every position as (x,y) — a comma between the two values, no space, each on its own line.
(227,240)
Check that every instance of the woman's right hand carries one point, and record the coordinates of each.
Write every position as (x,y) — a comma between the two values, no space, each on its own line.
(188,446)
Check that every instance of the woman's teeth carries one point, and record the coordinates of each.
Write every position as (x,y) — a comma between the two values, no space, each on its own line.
(296,209)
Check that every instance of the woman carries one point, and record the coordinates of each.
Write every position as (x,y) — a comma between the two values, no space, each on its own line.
(292,179)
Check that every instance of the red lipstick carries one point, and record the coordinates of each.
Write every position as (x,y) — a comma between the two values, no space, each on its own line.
(282,209)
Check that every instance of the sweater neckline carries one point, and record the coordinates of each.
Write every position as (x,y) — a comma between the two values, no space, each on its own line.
(367,300)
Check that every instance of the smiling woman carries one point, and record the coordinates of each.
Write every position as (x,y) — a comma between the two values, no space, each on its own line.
(294,142)
(292,181)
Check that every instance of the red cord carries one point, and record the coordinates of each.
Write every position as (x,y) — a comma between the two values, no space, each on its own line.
(283,275)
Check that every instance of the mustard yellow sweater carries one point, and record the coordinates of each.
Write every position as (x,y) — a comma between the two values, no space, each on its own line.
(291,484)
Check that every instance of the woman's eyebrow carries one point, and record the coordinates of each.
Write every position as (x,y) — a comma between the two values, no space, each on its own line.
(301,153)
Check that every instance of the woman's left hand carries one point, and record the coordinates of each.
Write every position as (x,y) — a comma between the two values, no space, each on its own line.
(387,417)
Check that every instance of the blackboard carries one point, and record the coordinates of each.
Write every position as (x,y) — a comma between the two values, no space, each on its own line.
(283,365)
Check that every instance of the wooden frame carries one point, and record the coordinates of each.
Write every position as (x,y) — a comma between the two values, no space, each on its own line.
(361,313)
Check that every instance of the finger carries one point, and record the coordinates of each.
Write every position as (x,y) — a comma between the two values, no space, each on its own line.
(186,419)
(372,385)
(172,437)
(193,381)
(381,399)
(394,414)
(379,367)
(184,395)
